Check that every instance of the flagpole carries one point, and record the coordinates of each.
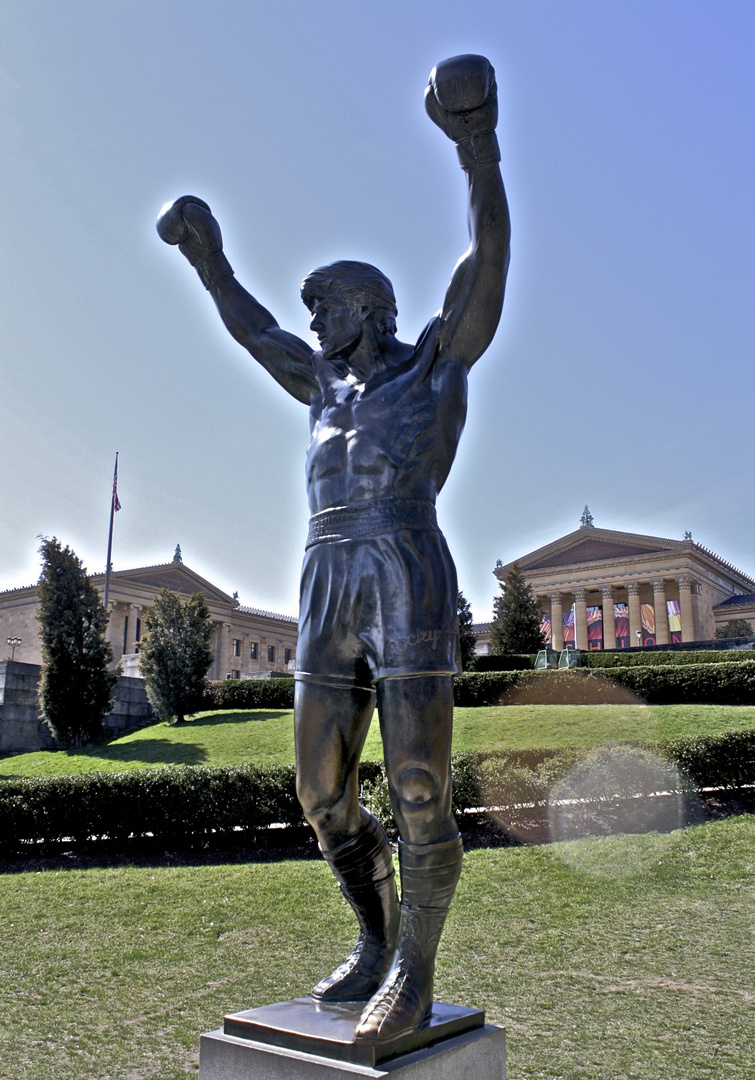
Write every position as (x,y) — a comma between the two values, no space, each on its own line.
(113,501)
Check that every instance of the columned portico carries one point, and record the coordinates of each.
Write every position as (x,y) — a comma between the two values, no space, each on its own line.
(661,613)
(557,621)
(628,590)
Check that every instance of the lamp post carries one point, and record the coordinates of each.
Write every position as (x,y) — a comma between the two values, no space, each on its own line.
(13,642)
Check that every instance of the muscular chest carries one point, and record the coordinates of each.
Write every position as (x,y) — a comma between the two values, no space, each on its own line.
(383,428)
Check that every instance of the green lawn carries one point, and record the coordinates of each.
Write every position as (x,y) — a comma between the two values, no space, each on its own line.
(266,736)
(622,958)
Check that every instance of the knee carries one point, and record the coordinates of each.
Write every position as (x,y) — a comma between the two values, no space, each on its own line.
(417,787)
(316,804)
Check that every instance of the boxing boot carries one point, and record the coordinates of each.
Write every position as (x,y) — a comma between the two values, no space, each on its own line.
(429,874)
(364,869)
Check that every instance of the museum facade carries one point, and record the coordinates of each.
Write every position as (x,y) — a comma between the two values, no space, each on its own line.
(603,589)
(246,642)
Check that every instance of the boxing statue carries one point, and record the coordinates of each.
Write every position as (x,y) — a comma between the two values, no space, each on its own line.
(378,624)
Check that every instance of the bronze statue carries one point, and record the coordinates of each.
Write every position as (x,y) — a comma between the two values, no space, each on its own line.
(378,621)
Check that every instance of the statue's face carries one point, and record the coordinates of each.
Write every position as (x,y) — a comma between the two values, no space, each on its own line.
(338,326)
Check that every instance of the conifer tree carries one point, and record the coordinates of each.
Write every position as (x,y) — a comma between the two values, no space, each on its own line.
(76,686)
(516,617)
(175,655)
(467,639)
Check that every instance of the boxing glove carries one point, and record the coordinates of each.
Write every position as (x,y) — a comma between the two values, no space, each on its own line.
(462,99)
(189,224)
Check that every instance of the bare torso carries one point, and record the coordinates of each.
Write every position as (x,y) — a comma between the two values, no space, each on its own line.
(392,436)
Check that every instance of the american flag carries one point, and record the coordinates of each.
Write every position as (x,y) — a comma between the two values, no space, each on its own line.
(116,500)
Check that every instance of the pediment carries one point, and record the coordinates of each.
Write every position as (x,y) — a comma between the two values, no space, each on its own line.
(590,551)
(591,545)
(174,576)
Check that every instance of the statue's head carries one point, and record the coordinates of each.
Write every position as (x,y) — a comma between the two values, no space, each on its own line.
(363,288)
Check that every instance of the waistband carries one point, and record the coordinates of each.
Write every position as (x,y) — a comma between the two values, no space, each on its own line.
(370,519)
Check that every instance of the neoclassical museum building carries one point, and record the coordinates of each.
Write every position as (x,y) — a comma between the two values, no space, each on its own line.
(602,589)
(246,642)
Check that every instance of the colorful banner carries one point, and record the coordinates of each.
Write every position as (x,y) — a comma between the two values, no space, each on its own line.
(674,621)
(594,628)
(545,630)
(621,621)
(568,621)
(647,614)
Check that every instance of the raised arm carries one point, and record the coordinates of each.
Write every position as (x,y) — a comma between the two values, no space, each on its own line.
(188,222)
(462,99)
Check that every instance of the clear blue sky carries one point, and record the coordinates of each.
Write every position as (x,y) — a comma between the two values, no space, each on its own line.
(622,372)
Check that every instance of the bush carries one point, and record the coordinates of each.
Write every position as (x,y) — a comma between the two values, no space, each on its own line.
(502,662)
(177,804)
(249,694)
(718,761)
(483,689)
(700,684)
(630,658)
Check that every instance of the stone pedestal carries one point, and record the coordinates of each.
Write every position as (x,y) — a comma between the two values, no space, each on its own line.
(299,1040)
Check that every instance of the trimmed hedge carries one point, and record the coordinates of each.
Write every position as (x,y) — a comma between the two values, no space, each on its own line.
(630,658)
(502,662)
(470,689)
(179,804)
(249,694)
(485,688)
(687,684)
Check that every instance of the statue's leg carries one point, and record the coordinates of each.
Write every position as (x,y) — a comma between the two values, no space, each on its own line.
(416,717)
(331,725)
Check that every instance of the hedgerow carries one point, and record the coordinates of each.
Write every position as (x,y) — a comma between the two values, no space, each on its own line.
(249,694)
(484,688)
(180,804)
(690,684)
(502,662)
(628,658)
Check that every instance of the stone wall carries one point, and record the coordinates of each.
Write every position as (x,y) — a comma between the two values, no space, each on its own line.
(21,725)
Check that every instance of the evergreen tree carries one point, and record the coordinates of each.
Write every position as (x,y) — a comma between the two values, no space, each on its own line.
(735,628)
(467,639)
(76,686)
(174,653)
(516,617)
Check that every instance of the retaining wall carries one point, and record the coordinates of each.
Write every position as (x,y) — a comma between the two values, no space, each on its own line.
(21,725)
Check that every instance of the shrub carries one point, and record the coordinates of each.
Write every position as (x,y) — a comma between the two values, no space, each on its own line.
(726,760)
(629,658)
(702,684)
(484,688)
(502,662)
(178,804)
(249,694)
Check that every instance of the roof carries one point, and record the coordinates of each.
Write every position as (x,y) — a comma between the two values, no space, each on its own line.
(266,614)
(737,601)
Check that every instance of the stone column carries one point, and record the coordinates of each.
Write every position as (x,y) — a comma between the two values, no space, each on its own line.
(133,615)
(225,649)
(609,626)
(635,618)
(114,632)
(661,613)
(580,618)
(557,622)
(685,607)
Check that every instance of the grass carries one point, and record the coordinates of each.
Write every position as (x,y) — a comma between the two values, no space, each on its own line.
(266,736)
(618,958)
